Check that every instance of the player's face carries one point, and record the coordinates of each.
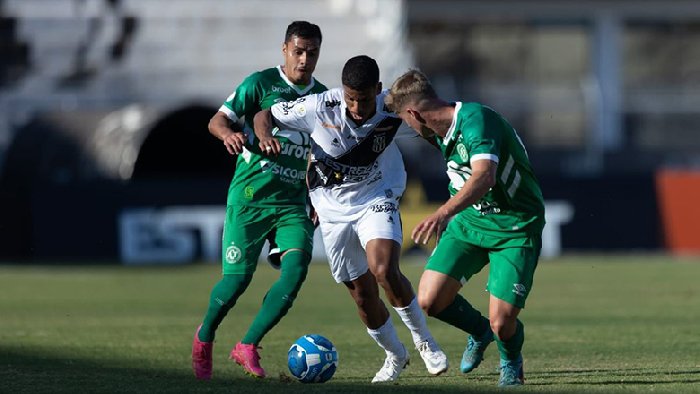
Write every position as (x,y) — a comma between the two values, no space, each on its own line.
(362,104)
(300,58)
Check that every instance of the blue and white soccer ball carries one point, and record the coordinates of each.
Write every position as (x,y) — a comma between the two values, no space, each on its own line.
(312,359)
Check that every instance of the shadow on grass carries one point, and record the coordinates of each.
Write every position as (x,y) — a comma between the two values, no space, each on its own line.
(615,376)
(37,371)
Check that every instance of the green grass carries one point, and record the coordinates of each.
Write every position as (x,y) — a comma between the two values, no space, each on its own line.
(594,324)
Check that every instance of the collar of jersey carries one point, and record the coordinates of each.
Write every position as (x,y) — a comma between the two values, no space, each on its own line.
(293,86)
(453,126)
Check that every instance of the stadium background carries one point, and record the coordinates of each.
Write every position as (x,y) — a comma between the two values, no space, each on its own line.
(105,155)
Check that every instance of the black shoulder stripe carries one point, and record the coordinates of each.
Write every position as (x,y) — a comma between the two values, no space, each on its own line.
(367,150)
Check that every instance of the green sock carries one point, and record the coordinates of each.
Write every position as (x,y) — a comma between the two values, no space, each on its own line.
(511,347)
(278,300)
(462,315)
(223,297)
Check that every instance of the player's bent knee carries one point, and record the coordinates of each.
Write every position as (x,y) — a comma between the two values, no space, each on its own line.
(502,327)
(295,274)
(427,304)
(295,262)
(380,272)
(388,278)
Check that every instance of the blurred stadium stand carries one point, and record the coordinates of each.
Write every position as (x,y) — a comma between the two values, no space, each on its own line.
(100,100)
(593,86)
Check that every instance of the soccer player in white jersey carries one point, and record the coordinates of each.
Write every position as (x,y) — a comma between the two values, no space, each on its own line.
(356,177)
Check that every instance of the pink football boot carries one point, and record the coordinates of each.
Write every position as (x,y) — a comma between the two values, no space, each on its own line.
(201,357)
(247,356)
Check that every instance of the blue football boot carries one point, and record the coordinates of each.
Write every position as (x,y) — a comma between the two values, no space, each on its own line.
(474,352)
(512,373)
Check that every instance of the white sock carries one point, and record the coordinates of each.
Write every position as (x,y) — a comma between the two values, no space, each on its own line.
(386,338)
(414,319)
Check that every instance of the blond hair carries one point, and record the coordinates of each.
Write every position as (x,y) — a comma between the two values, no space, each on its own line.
(412,86)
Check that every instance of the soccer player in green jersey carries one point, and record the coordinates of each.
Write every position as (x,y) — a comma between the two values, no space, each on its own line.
(497,214)
(266,199)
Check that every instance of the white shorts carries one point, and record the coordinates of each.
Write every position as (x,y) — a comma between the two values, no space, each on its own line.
(345,241)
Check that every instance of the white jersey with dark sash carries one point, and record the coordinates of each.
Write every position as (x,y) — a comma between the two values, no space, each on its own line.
(351,166)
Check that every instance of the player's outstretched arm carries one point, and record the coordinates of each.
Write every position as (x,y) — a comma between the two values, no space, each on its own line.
(482,179)
(262,123)
(219,127)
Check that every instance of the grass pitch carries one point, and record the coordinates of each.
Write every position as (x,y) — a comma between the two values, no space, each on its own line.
(593,324)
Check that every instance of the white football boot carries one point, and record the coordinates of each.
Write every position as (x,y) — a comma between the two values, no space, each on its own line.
(434,358)
(393,365)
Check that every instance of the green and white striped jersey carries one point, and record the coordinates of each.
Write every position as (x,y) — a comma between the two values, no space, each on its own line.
(262,180)
(514,206)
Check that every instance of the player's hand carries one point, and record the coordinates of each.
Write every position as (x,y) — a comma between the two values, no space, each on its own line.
(234,143)
(433,224)
(270,146)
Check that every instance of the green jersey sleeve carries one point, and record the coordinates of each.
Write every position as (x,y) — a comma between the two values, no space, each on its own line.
(245,100)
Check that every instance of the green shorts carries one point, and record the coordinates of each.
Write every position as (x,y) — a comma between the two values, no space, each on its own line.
(246,228)
(462,253)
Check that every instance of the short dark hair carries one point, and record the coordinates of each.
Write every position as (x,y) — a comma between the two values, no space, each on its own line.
(360,72)
(303,29)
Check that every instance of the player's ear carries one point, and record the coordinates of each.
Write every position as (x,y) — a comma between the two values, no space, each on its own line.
(415,115)
(379,87)
(284,49)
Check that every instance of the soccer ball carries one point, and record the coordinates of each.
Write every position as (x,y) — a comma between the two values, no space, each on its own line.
(312,359)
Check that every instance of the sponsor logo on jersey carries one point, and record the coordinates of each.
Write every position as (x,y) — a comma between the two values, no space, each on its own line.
(321,175)
(280,89)
(376,177)
(487,208)
(458,174)
(379,143)
(519,289)
(289,105)
(335,142)
(388,207)
(293,150)
(290,175)
(233,254)
(351,173)
(248,192)
(462,152)
(332,103)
